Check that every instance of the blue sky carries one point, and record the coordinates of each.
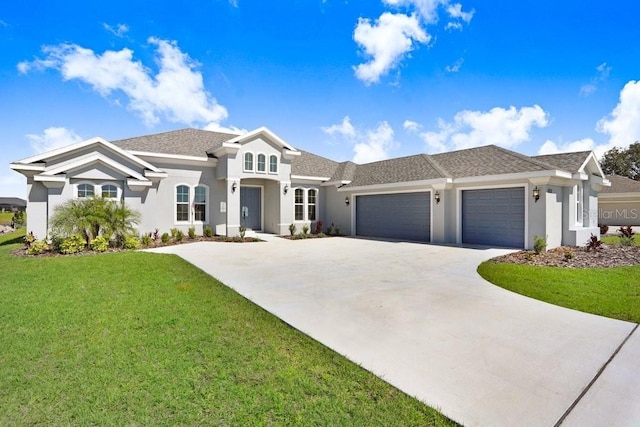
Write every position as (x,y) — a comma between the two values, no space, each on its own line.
(349,80)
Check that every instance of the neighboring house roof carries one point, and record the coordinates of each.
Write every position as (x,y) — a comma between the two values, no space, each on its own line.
(307,164)
(570,162)
(184,142)
(13,201)
(621,184)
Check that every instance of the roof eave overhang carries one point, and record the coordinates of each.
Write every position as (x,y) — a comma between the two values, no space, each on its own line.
(262,131)
(531,176)
(336,183)
(58,181)
(310,178)
(437,182)
(632,195)
(28,169)
(290,154)
(226,148)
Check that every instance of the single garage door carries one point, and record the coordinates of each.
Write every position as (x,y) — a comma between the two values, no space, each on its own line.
(493,217)
(405,216)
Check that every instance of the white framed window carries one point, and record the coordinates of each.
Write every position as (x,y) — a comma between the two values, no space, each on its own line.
(248,162)
(261,163)
(273,163)
(305,204)
(312,195)
(579,207)
(182,203)
(298,204)
(85,190)
(109,191)
(200,196)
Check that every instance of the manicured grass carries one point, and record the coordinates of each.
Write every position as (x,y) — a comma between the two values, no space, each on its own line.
(5,218)
(610,292)
(615,240)
(148,339)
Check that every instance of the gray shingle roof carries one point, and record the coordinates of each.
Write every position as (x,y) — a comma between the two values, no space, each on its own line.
(487,160)
(13,201)
(403,169)
(344,172)
(570,162)
(621,184)
(307,164)
(185,142)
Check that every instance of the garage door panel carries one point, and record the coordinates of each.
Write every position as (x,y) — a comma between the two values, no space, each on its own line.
(396,216)
(493,217)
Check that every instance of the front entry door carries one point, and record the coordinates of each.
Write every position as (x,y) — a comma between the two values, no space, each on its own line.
(250,208)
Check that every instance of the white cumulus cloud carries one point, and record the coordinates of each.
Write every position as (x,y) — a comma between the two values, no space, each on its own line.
(369,145)
(623,123)
(386,42)
(455,67)
(175,93)
(507,127)
(550,147)
(411,126)
(52,138)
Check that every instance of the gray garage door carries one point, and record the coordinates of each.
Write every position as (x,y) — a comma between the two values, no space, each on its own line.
(493,217)
(396,216)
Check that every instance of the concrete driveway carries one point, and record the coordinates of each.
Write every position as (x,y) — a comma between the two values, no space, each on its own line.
(420,317)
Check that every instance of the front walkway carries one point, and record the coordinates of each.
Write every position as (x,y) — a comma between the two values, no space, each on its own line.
(420,317)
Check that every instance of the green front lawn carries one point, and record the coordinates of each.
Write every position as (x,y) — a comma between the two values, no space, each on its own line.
(615,240)
(145,339)
(610,292)
(5,218)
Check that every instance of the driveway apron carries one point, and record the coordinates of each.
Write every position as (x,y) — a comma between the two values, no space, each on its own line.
(420,317)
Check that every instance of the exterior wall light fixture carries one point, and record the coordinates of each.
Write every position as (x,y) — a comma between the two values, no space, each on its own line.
(234,187)
(346,200)
(285,190)
(536,194)
(436,197)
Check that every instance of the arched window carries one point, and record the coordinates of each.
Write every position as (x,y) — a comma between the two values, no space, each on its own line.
(182,203)
(248,162)
(262,163)
(273,163)
(85,190)
(109,191)
(299,204)
(311,205)
(200,204)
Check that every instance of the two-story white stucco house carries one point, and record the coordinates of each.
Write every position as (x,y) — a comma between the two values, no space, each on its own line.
(486,195)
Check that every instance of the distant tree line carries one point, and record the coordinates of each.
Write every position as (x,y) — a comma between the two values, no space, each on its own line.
(623,162)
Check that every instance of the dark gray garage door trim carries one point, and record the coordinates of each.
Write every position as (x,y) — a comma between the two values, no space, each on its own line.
(459,208)
(428,194)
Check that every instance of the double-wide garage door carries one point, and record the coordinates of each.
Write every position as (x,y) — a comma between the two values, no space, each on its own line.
(493,217)
(404,216)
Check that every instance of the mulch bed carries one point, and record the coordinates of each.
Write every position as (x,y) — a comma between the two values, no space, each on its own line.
(576,257)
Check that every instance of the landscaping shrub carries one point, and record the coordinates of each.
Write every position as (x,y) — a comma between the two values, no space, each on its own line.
(337,230)
(37,247)
(192,233)
(165,238)
(626,234)
(131,242)
(539,244)
(207,231)
(568,255)
(174,232)
(29,239)
(305,229)
(594,243)
(292,229)
(330,229)
(99,244)
(146,240)
(179,236)
(72,244)
(603,229)
(18,219)
(156,235)
(318,228)
(242,230)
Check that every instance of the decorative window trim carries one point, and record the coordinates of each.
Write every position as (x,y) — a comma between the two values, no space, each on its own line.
(579,194)
(264,163)
(76,190)
(244,161)
(277,163)
(191,204)
(117,187)
(176,203)
(305,204)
